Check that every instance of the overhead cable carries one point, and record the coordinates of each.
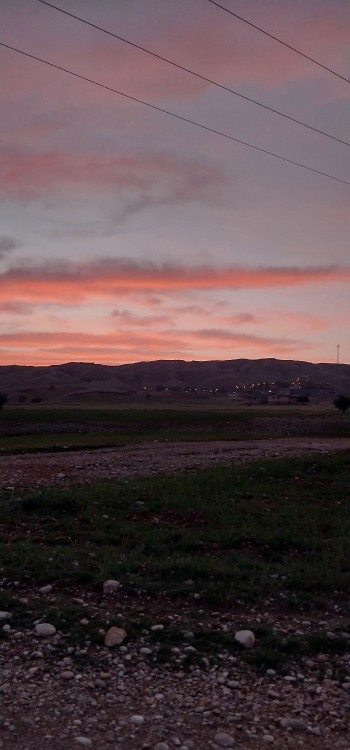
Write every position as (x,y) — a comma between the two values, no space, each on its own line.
(173,114)
(193,73)
(276,39)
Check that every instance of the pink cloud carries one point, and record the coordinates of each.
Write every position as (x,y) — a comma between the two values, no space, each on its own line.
(210,43)
(152,177)
(70,283)
(128,346)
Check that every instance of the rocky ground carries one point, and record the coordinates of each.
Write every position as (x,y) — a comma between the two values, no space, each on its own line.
(31,470)
(58,694)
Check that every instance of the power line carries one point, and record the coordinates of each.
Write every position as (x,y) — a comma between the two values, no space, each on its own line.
(276,39)
(173,114)
(193,73)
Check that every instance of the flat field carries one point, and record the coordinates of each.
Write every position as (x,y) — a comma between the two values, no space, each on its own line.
(200,553)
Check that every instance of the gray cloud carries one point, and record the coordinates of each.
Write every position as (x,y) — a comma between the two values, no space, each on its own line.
(7,244)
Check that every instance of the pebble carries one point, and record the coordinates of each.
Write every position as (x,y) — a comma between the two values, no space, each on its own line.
(85,741)
(114,637)
(46,589)
(157,628)
(246,638)
(137,719)
(45,629)
(294,724)
(5,615)
(110,586)
(67,675)
(161,746)
(224,740)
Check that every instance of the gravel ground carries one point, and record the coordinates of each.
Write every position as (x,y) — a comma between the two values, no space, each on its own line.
(149,458)
(57,696)
(120,700)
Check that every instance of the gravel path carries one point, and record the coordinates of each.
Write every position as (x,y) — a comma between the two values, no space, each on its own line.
(144,459)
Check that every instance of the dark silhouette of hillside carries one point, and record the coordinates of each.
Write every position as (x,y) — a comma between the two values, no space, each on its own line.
(84,381)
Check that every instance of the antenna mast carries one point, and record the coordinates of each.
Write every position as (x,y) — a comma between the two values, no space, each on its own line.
(338,354)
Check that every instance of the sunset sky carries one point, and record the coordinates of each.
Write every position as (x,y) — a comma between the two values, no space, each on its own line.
(128,235)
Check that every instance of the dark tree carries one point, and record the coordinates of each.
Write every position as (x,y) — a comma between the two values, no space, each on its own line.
(342,403)
(3,399)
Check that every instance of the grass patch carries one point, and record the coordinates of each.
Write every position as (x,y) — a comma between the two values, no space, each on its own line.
(277,528)
(31,430)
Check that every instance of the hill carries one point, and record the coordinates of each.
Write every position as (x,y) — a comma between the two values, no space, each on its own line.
(83,382)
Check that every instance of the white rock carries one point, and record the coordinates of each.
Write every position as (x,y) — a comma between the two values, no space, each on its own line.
(137,719)
(85,741)
(157,628)
(246,638)
(44,629)
(5,615)
(224,740)
(46,589)
(110,586)
(115,636)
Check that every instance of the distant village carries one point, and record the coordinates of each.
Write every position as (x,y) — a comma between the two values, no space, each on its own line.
(300,391)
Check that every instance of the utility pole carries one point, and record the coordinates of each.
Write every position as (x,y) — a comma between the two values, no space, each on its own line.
(338,354)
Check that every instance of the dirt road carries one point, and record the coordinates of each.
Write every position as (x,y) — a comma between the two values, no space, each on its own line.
(33,470)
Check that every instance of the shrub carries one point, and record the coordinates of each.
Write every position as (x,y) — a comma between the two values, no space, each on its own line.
(342,403)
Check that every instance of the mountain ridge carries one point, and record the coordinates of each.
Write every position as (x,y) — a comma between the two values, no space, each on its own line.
(78,380)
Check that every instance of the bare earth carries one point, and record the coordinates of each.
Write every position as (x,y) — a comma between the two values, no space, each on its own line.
(150,458)
(119,701)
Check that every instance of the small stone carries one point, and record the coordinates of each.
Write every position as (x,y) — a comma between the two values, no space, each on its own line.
(46,589)
(157,628)
(67,675)
(5,615)
(60,475)
(246,638)
(296,725)
(137,719)
(45,629)
(161,746)
(224,740)
(84,621)
(268,738)
(115,636)
(85,741)
(145,651)
(110,586)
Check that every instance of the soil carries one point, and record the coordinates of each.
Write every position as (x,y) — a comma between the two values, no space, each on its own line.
(120,701)
(110,464)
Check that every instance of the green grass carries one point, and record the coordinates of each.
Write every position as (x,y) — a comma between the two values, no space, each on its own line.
(274,531)
(42,429)
(93,440)
(277,528)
